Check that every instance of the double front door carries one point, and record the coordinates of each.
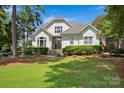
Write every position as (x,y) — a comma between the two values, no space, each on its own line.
(57,42)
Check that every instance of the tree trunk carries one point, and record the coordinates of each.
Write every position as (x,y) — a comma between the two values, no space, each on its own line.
(23,49)
(26,38)
(117,44)
(13,29)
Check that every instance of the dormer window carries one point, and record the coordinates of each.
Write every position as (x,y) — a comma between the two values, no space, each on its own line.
(58,29)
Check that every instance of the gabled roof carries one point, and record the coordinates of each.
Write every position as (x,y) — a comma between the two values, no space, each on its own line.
(89,25)
(79,28)
(76,28)
(45,26)
(38,31)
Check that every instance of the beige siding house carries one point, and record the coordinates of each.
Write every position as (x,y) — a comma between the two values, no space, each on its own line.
(59,33)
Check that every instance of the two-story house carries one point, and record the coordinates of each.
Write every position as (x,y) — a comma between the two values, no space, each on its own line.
(59,33)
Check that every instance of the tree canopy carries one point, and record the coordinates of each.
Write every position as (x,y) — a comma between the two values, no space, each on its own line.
(113,25)
(5,25)
(28,18)
(98,22)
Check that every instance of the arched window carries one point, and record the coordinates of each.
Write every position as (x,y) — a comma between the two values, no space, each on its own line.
(41,42)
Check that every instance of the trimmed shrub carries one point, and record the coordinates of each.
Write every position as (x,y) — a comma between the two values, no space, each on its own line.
(36,51)
(98,48)
(40,50)
(118,51)
(28,51)
(81,50)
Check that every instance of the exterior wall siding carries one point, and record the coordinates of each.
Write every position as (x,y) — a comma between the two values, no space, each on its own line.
(91,33)
(51,29)
(79,38)
(48,39)
(66,40)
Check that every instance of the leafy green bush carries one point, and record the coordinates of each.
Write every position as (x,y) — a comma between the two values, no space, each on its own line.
(36,51)
(118,51)
(40,50)
(28,51)
(6,48)
(98,48)
(80,50)
(109,48)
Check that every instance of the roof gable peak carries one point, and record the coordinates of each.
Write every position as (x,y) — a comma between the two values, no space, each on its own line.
(89,25)
(57,19)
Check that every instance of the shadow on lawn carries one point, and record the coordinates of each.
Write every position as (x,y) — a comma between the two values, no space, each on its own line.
(81,73)
(53,60)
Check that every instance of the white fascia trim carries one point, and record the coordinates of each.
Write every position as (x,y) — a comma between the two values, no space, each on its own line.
(91,26)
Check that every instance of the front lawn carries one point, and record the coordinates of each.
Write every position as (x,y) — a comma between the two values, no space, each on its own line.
(62,72)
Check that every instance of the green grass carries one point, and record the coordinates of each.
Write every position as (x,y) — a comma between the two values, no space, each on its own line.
(64,72)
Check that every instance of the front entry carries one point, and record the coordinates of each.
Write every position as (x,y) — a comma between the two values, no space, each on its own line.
(57,42)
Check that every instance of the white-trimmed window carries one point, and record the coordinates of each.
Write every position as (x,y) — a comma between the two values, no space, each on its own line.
(71,40)
(88,40)
(58,29)
(41,42)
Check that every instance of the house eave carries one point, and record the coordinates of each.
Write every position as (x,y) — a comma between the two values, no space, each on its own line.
(53,19)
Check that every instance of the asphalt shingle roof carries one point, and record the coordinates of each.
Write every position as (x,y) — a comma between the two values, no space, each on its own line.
(75,29)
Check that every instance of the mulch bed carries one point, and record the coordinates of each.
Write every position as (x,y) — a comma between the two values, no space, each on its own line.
(118,63)
(120,67)
(32,59)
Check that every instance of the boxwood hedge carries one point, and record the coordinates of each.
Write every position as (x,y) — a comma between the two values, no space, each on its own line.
(82,50)
(36,51)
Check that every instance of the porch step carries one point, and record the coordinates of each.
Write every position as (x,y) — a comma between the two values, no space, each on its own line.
(55,52)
